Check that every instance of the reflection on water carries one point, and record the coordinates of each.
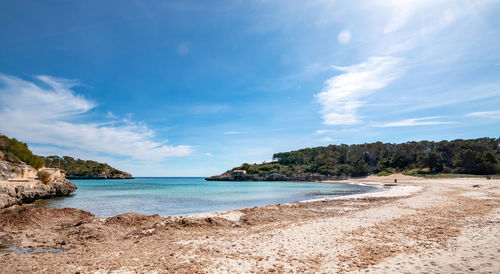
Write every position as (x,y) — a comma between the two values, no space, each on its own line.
(28,250)
(184,196)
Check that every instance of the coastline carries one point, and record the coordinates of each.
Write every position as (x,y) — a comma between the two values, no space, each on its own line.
(380,188)
(383,190)
(419,226)
(199,196)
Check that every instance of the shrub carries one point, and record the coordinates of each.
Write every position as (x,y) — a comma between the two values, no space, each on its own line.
(411,172)
(43,176)
(383,173)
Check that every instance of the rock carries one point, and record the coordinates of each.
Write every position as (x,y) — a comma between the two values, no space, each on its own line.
(20,194)
(123,175)
(275,176)
(7,200)
(19,184)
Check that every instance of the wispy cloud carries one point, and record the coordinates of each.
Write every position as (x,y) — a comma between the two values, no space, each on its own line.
(344,94)
(232,132)
(110,115)
(323,131)
(325,139)
(50,113)
(424,121)
(495,114)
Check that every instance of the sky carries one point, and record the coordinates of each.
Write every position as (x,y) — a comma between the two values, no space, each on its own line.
(194,88)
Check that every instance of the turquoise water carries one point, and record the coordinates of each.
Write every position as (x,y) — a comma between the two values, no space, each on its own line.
(184,196)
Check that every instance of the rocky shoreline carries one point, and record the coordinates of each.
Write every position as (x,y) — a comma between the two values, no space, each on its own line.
(99,176)
(27,193)
(20,183)
(237,175)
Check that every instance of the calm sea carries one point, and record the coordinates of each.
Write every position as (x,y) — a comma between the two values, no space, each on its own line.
(184,196)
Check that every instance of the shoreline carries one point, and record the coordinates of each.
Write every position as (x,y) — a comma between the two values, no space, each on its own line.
(386,189)
(425,225)
(380,188)
(383,190)
(230,214)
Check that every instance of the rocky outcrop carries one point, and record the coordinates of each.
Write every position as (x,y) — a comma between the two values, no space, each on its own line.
(240,176)
(103,175)
(19,184)
(11,171)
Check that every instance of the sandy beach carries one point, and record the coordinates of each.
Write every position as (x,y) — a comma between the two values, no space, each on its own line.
(419,225)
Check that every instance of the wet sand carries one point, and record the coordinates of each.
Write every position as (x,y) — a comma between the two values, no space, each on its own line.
(420,225)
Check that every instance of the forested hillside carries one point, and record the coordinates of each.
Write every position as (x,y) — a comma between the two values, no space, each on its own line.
(16,152)
(474,156)
(77,168)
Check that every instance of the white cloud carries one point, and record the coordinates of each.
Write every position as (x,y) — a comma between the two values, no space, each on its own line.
(344,93)
(424,121)
(28,98)
(50,115)
(344,37)
(400,16)
(402,10)
(485,114)
(449,15)
(325,139)
(323,131)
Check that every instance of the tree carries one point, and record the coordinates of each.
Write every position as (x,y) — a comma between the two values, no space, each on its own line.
(361,168)
(432,160)
(489,163)
(467,161)
(475,156)
(16,150)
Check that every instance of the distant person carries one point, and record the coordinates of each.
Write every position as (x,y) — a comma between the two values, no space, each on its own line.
(395,181)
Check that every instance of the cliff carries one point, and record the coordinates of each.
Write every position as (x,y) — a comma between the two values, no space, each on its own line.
(21,183)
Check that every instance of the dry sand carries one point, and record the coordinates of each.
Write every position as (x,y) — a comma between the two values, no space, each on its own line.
(420,225)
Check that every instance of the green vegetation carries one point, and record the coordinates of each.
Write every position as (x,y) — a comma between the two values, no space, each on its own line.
(475,156)
(81,168)
(43,176)
(383,173)
(17,152)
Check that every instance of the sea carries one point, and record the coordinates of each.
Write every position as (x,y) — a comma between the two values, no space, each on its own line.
(174,196)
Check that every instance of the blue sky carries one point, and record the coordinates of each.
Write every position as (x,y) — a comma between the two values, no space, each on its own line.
(193,88)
